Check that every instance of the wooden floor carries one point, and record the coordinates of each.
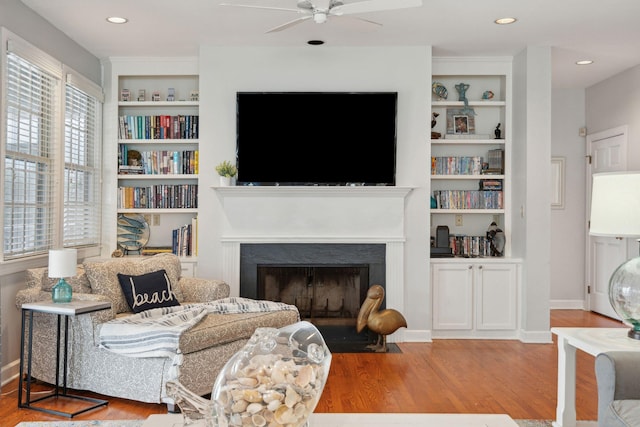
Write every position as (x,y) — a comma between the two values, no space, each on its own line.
(446,376)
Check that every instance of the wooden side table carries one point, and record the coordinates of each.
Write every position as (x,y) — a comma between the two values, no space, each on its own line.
(66,310)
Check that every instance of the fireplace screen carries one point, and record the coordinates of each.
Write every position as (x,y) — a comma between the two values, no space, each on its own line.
(329,295)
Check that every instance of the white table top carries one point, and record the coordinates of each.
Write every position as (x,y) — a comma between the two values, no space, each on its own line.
(374,420)
(72,308)
(598,340)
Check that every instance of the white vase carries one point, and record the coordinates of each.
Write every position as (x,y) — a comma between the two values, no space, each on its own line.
(225,181)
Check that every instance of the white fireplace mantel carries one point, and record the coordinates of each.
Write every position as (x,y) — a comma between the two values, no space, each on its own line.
(360,214)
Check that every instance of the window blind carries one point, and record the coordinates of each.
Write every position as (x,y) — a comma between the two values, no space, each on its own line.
(29,183)
(82,169)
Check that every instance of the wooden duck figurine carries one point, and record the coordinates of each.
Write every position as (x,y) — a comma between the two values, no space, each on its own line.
(383,322)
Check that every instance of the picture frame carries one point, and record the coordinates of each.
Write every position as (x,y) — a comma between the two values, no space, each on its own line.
(557,182)
(461,122)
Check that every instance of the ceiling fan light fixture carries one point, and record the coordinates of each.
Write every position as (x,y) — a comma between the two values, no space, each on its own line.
(505,21)
(117,20)
(320,17)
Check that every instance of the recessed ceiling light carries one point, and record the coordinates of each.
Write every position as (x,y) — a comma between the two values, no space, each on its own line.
(584,62)
(505,21)
(315,42)
(117,20)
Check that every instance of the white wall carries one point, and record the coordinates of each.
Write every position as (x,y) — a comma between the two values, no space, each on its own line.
(24,22)
(568,224)
(407,70)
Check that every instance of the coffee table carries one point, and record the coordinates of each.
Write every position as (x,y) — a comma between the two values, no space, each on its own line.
(590,340)
(374,420)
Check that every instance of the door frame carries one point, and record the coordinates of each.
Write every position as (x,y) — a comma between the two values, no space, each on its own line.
(589,140)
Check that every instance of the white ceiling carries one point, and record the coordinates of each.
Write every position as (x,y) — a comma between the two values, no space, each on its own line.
(607,32)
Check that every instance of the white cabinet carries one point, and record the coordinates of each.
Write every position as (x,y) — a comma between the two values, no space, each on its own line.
(472,298)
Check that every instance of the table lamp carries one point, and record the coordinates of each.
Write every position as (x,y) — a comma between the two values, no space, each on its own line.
(615,211)
(62,263)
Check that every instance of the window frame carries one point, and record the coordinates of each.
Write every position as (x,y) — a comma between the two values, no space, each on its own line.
(67,77)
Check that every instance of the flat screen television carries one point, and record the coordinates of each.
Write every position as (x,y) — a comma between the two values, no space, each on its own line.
(316,138)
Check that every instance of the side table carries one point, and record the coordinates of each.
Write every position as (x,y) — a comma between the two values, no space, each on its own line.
(592,341)
(66,310)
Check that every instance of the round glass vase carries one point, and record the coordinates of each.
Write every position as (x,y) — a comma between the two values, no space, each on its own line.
(624,294)
(277,378)
(61,292)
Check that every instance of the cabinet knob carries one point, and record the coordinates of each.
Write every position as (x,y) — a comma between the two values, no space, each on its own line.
(480,267)
(470,267)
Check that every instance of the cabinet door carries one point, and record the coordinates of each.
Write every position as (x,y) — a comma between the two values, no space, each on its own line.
(496,296)
(452,296)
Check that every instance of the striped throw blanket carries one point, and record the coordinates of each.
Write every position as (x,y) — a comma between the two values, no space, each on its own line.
(156,332)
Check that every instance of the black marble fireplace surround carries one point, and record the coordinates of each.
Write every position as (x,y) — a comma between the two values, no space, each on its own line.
(370,257)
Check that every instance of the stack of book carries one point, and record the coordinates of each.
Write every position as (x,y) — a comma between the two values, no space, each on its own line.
(185,239)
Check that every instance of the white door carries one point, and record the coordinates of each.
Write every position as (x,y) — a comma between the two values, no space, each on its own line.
(608,153)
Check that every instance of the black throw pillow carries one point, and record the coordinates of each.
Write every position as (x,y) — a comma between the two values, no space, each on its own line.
(147,291)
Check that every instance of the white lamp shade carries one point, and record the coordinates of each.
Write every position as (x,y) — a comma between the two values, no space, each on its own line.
(62,263)
(615,204)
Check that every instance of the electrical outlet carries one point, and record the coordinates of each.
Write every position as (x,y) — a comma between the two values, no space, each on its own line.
(458,220)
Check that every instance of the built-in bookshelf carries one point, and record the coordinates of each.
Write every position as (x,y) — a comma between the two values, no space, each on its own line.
(474,287)
(158,158)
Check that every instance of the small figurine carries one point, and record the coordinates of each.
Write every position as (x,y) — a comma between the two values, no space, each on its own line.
(496,238)
(440,91)
(434,135)
(462,96)
(487,95)
(498,132)
(462,93)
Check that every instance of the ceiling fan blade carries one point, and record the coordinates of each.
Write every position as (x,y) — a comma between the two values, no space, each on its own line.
(373,6)
(261,7)
(289,24)
(355,19)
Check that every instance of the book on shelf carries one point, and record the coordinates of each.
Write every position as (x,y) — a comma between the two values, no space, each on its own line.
(490,184)
(128,169)
(496,159)
(470,246)
(468,199)
(158,127)
(160,196)
(153,250)
(456,165)
(184,239)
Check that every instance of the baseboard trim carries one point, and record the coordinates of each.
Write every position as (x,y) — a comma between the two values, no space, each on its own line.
(567,304)
(10,372)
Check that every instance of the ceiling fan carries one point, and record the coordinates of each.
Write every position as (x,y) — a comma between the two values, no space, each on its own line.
(321,10)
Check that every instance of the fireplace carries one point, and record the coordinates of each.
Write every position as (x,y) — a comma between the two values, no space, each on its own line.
(324,294)
(327,282)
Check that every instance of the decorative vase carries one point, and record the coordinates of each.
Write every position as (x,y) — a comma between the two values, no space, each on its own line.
(225,181)
(61,292)
(277,377)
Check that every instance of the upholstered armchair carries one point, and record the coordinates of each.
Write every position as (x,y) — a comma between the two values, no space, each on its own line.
(618,377)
